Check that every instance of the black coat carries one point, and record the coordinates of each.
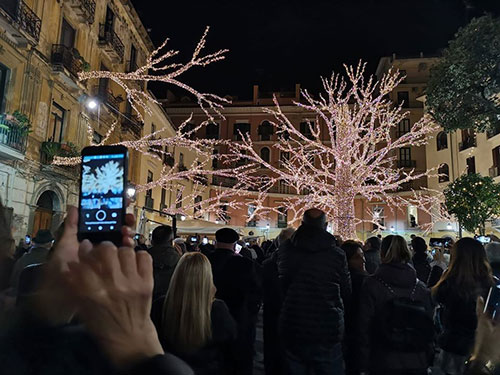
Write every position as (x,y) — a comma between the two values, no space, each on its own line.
(373,355)
(372,258)
(458,316)
(422,265)
(316,285)
(165,259)
(208,360)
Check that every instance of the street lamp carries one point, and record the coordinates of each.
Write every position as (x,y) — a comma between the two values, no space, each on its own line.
(92,103)
(183,217)
(131,192)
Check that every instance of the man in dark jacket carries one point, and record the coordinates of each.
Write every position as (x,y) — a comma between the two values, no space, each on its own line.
(372,254)
(421,260)
(165,258)
(493,252)
(237,283)
(316,286)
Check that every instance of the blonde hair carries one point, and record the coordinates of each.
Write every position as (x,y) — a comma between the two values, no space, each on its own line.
(397,252)
(186,322)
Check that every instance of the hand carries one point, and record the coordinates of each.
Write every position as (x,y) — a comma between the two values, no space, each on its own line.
(113,289)
(486,348)
(439,255)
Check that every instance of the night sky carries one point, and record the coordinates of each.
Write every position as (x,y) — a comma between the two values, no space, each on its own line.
(277,43)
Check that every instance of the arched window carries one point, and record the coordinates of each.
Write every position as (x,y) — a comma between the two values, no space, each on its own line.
(265,131)
(442,141)
(444,173)
(265,154)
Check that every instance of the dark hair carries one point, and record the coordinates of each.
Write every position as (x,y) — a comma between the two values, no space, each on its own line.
(374,242)
(419,245)
(162,235)
(469,267)
(385,245)
(350,248)
(314,217)
(397,252)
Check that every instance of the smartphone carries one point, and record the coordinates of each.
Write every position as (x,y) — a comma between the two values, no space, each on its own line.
(27,240)
(194,239)
(483,239)
(136,237)
(436,242)
(433,252)
(204,241)
(247,244)
(103,193)
(237,248)
(492,305)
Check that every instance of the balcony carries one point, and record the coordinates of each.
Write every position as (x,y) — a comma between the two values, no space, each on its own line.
(13,138)
(467,143)
(200,180)
(182,168)
(64,58)
(224,181)
(407,163)
(84,10)
(111,43)
(50,150)
(494,171)
(149,203)
(105,95)
(168,160)
(20,22)
(132,125)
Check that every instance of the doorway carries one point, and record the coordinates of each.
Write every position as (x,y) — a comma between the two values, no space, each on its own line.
(44,212)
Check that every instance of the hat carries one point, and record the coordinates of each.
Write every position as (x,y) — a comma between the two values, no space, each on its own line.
(43,236)
(227,235)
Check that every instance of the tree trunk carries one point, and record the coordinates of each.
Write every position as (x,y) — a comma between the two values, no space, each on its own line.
(344,219)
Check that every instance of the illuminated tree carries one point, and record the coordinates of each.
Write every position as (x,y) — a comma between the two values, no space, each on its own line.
(348,151)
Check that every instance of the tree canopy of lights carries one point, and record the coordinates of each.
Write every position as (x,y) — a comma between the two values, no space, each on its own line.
(349,150)
(463,91)
(473,200)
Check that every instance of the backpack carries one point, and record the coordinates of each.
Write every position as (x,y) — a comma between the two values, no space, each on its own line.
(403,324)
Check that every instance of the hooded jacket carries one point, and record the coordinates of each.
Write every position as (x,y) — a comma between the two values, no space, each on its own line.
(165,259)
(316,286)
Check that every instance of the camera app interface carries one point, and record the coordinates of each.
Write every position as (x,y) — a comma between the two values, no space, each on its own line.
(102,193)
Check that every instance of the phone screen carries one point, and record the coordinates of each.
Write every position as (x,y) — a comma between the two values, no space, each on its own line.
(492,305)
(204,241)
(483,239)
(27,240)
(237,248)
(102,198)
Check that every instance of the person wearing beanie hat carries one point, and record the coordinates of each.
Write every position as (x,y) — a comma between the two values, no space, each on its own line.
(235,278)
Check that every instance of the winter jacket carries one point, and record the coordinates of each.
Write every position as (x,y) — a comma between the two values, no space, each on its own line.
(208,360)
(458,316)
(316,286)
(373,355)
(372,258)
(36,255)
(165,259)
(422,265)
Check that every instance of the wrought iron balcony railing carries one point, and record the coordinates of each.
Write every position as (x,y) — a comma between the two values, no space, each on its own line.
(106,96)
(23,17)
(149,202)
(12,135)
(467,143)
(407,163)
(107,36)
(168,160)
(85,9)
(224,181)
(68,58)
(131,123)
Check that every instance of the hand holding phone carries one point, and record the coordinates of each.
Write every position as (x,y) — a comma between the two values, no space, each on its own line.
(492,305)
(237,248)
(27,240)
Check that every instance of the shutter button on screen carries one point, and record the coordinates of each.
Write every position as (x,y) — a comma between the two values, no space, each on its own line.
(100,215)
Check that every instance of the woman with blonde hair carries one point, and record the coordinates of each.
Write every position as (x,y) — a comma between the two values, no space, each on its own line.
(395,322)
(193,324)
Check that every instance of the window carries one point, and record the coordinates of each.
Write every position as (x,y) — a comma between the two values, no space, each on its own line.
(188,130)
(178,199)
(405,158)
(153,128)
(103,90)
(68,34)
(306,129)
(163,198)
(378,218)
(496,156)
(404,99)
(242,160)
(266,131)
(4,76)
(403,127)
(241,127)
(212,130)
(215,160)
(468,139)
(471,165)
(282,217)
(251,211)
(57,117)
(224,215)
(265,154)
(283,187)
(181,159)
(412,217)
(96,138)
(442,141)
(444,173)
(110,20)
(284,157)
(197,204)
(149,193)
(132,64)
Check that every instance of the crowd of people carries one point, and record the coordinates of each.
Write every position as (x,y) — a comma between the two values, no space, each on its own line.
(387,306)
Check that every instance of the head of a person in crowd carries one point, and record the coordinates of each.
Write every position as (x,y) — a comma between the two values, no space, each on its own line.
(339,239)
(314,217)
(385,243)
(226,238)
(493,252)
(396,252)
(284,235)
(7,242)
(43,238)
(186,322)
(355,255)
(418,245)
(372,244)
(379,236)
(469,268)
(163,235)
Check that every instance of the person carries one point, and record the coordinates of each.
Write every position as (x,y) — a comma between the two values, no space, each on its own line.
(238,285)
(493,253)
(193,324)
(23,247)
(141,243)
(7,250)
(316,286)
(393,300)
(39,253)
(467,277)
(180,246)
(271,295)
(356,263)
(165,258)
(420,260)
(372,254)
